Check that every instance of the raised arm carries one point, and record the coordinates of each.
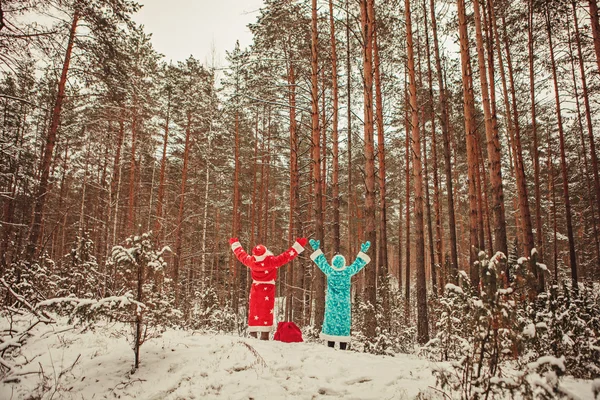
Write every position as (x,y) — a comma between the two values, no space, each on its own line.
(239,252)
(361,260)
(319,258)
(289,254)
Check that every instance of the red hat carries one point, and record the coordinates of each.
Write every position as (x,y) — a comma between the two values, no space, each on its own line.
(288,332)
(259,250)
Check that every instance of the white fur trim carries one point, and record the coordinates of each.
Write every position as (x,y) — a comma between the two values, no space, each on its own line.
(271,282)
(333,338)
(235,245)
(364,257)
(298,247)
(316,254)
(334,267)
(261,258)
(260,328)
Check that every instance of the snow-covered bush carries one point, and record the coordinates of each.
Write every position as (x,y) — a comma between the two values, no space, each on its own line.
(79,274)
(209,314)
(393,334)
(34,281)
(566,323)
(478,332)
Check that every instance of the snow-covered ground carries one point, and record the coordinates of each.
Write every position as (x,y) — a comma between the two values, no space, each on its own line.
(188,365)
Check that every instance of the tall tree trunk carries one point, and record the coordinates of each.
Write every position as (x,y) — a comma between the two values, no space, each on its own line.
(524,209)
(445,122)
(334,133)
(433,272)
(469,107)
(158,224)
(563,159)
(425,169)
(382,260)
(367,21)
(584,149)
(178,229)
(132,176)
(407,199)
(294,295)
(235,223)
(509,117)
(422,318)
(319,281)
(493,142)
(588,118)
(534,134)
(40,200)
(436,188)
(595,29)
(349,132)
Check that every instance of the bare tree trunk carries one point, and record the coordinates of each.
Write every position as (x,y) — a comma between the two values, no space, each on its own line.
(445,122)
(595,29)
(382,260)
(439,283)
(178,231)
(536,156)
(422,318)
(588,118)
(367,21)
(36,224)
(563,159)
(524,209)
(584,150)
(158,224)
(493,142)
(131,204)
(468,107)
(349,128)
(407,199)
(316,154)
(334,134)
(235,223)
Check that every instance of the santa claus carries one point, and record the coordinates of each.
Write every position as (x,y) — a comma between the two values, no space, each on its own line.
(263,265)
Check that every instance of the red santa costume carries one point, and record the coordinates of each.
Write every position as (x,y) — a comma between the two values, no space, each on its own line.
(263,265)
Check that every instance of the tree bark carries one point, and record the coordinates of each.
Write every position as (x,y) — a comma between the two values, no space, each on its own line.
(524,209)
(583,146)
(367,22)
(534,134)
(595,29)
(158,234)
(334,136)
(319,282)
(563,159)
(588,118)
(36,224)
(178,230)
(469,107)
(382,260)
(422,318)
(445,122)
(493,142)
(439,237)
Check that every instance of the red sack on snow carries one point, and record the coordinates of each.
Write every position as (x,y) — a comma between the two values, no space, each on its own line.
(288,332)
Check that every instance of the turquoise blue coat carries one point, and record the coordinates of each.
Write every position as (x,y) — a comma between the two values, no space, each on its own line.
(338,319)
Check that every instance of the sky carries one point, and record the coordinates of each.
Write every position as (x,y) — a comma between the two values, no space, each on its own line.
(181,28)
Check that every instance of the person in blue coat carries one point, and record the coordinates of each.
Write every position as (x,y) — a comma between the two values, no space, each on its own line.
(336,325)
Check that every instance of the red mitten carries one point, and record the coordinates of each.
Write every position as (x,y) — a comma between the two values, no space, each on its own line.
(302,241)
(233,240)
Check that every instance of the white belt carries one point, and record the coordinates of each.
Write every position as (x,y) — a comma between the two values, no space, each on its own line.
(271,282)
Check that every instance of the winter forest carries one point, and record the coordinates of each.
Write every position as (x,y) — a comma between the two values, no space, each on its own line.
(457,137)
